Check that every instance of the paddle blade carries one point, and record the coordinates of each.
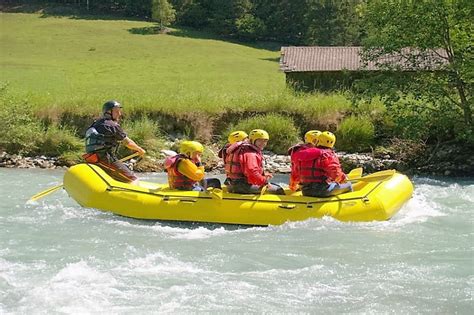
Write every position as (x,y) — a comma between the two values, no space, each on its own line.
(46,192)
(355,173)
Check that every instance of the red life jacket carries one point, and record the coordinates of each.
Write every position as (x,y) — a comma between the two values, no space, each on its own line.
(332,166)
(309,165)
(233,167)
(176,180)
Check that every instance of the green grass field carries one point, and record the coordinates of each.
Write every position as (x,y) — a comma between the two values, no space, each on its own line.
(187,81)
(65,63)
(64,60)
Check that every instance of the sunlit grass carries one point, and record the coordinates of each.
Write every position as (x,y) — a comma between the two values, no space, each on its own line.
(59,60)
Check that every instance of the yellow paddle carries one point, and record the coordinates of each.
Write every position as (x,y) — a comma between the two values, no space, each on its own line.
(375,176)
(57,187)
(355,173)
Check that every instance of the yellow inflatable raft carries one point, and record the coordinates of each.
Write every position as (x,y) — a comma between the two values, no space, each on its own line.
(377,196)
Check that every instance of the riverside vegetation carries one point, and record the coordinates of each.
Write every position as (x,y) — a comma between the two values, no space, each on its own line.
(56,73)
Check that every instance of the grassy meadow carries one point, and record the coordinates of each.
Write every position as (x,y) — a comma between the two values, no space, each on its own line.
(186,81)
(64,60)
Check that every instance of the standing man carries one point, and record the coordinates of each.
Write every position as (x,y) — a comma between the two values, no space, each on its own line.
(103,138)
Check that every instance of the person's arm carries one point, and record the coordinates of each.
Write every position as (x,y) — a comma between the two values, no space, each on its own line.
(252,170)
(333,169)
(129,143)
(190,170)
(294,176)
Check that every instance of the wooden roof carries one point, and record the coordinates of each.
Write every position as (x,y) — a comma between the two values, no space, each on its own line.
(321,59)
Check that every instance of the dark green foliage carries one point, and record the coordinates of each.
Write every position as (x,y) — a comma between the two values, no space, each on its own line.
(292,22)
(250,27)
(428,104)
(332,23)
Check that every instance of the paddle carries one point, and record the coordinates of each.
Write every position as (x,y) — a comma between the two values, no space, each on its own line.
(355,173)
(57,187)
(375,176)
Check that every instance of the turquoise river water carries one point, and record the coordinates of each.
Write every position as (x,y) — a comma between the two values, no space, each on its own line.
(56,257)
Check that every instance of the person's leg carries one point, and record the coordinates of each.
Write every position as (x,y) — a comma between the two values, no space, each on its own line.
(242,188)
(118,171)
(198,187)
(315,190)
(336,189)
(213,182)
(254,189)
(275,189)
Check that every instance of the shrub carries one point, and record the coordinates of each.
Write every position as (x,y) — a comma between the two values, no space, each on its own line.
(57,141)
(282,131)
(355,134)
(21,126)
(146,133)
(249,27)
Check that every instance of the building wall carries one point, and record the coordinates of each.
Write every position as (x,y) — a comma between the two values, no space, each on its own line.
(339,80)
(322,81)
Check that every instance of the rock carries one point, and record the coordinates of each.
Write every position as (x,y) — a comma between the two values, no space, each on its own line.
(284,170)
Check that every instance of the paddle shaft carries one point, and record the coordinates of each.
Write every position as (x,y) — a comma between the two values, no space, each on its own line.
(375,176)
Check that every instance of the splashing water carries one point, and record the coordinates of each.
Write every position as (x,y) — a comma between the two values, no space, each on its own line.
(58,257)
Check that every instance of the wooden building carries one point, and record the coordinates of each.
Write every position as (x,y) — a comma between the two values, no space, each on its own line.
(317,68)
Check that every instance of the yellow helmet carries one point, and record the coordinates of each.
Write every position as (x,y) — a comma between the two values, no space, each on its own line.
(188,147)
(312,136)
(327,139)
(236,136)
(258,134)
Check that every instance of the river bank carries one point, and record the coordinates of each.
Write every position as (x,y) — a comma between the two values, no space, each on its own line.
(448,161)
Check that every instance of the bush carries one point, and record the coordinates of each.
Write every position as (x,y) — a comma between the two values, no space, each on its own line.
(57,141)
(282,131)
(249,27)
(146,133)
(355,134)
(21,127)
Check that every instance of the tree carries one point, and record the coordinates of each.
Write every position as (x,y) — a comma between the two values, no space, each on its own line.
(427,27)
(332,23)
(162,12)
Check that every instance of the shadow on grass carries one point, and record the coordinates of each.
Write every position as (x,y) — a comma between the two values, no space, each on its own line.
(205,34)
(276,59)
(68,11)
(149,30)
